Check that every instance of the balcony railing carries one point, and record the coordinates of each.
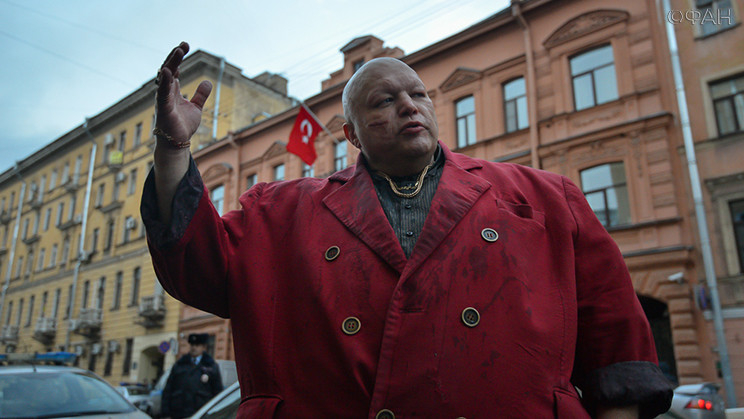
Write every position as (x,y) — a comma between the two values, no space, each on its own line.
(10,335)
(45,330)
(88,323)
(152,310)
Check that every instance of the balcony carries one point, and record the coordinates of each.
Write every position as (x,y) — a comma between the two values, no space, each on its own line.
(45,330)
(10,335)
(152,310)
(73,183)
(78,219)
(114,205)
(31,239)
(89,322)
(5,217)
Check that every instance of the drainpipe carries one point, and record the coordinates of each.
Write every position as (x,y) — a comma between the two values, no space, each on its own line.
(11,256)
(702,222)
(216,114)
(82,256)
(531,84)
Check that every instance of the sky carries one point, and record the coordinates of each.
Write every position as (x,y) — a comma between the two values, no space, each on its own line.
(65,60)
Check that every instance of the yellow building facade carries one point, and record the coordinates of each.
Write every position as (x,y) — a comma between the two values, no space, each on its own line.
(74,265)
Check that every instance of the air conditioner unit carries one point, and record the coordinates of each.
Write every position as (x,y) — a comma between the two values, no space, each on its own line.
(131,224)
(113,346)
(85,256)
(109,139)
(96,348)
(78,219)
(121,177)
(79,350)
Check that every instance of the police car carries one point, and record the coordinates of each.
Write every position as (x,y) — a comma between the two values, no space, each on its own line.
(43,386)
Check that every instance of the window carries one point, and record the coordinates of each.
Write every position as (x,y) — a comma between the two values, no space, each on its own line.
(40,262)
(515,105)
(60,211)
(9,313)
(94,240)
(71,212)
(68,309)
(606,191)
(86,292)
(100,292)
(31,301)
(307,170)
(109,236)
(109,363)
(65,251)
(26,222)
(53,256)
(251,180)
(20,312)
(53,180)
(37,221)
(279,172)
(132,188)
(30,262)
(218,198)
(42,184)
(465,121)
(12,199)
(99,194)
(716,15)
(593,77)
(78,165)
(127,356)
(358,64)
(116,302)
(19,267)
(728,102)
(137,134)
(135,287)
(44,298)
(129,224)
(55,305)
(122,140)
(47,218)
(339,159)
(33,190)
(2,205)
(115,192)
(737,220)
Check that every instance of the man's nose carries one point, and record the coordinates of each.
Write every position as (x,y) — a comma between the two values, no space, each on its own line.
(406,105)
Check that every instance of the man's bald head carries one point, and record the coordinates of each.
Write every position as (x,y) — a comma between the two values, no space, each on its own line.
(357,84)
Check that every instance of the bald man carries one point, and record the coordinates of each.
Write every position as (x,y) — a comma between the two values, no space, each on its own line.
(418,283)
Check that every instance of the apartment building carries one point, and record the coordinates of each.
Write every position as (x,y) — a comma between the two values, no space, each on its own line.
(74,263)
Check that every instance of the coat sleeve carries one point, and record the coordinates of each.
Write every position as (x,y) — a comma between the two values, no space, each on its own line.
(165,397)
(616,363)
(191,255)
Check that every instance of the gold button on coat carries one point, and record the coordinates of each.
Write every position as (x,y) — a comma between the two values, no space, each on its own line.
(351,325)
(489,235)
(385,414)
(470,317)
(332,253)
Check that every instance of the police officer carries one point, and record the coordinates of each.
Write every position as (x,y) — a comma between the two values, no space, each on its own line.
(194,379)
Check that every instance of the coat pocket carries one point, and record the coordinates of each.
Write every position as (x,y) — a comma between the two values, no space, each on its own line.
(259,406)
(568,405)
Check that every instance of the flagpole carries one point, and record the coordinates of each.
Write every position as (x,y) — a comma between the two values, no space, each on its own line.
(327,131)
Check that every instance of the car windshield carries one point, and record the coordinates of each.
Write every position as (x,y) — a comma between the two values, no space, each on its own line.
(137,391)
(48,395)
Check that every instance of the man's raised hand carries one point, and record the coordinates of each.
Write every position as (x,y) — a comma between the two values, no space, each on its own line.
(176,116)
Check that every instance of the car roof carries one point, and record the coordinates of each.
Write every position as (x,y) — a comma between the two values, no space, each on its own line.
(44,369)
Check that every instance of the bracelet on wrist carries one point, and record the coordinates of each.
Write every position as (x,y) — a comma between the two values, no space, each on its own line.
(157,132)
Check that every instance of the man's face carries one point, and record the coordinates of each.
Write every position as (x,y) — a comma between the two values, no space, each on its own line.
(197,349)
(392,118)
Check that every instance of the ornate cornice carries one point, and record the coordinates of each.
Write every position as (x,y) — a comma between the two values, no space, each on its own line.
(460,77)
(584,24)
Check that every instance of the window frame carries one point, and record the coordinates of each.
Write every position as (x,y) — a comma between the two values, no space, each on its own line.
(591,72)
(729,98)
(466,117)
(607,222)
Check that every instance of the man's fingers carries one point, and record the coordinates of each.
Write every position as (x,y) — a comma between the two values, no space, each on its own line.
(202,93)
(175,57)
(165,78)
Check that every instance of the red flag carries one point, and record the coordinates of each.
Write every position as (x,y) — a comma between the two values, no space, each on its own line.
(302,137)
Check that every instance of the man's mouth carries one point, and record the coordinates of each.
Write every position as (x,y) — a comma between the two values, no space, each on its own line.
(412,128)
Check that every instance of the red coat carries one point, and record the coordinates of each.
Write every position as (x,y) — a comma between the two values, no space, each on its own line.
(552,294)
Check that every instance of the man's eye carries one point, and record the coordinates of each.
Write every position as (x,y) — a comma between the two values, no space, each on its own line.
(385,101)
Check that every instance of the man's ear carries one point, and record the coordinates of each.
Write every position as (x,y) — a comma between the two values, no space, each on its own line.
(350,134)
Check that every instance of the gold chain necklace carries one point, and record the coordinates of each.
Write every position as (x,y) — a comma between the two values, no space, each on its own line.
(419,183)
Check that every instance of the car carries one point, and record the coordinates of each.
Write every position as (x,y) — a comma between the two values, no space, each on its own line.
(696,401)
(137,394)
(31,388)
(222,406)
(228,373)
